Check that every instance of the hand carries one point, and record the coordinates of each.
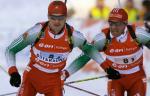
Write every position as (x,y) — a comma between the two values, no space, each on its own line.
(112,73)
(15,79)
(64,75)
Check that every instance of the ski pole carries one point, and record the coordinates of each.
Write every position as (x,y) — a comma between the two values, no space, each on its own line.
(65,1)
(119,3)
(6,94)
(82,90)
(3,69)
(87,79)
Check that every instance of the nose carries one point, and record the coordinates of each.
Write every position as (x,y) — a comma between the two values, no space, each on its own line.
(114,26)
(56,22)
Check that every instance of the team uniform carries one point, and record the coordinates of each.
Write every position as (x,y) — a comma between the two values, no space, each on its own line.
(125,55)
(48,58)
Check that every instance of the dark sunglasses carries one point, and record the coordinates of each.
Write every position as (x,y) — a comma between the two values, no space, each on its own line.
(116,23)
(54,17)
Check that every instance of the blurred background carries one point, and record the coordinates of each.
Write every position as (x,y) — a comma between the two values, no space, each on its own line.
(87,16)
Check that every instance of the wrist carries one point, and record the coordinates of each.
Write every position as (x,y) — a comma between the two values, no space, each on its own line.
(64,75)
(67,73)
(104,65)
(12,69)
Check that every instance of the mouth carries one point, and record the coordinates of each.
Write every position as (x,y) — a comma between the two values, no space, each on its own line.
(115,34)
(56,25)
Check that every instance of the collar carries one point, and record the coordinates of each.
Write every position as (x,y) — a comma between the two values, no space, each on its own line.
(57,36)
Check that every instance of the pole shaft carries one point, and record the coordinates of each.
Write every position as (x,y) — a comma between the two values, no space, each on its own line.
(6,94)
(82,90)
(87,79)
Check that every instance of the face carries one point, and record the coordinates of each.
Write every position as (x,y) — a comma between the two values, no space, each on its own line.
(117,28)
(56,22)
(100,3)
(129,4)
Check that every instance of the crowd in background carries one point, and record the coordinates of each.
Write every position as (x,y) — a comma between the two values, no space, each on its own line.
(101,11)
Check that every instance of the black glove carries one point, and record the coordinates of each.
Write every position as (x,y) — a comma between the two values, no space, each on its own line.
(112,73)
(15,79)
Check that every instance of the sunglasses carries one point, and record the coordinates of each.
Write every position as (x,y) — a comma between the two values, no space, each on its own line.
(116,23)
(54,17)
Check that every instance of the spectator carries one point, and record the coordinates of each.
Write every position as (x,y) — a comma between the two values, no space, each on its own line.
(132,11)
(146,6)
(100,11)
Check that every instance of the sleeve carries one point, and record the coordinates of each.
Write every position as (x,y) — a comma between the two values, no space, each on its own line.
(77,64)
(78,39)
(99,41)
(143,36)
(19,44)
(89,52)
(106,64)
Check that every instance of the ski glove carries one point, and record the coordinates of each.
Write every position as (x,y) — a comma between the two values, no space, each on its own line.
(15,79)
(112,73)
(64,75)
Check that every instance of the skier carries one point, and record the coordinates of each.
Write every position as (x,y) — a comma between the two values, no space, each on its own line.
(123,45)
